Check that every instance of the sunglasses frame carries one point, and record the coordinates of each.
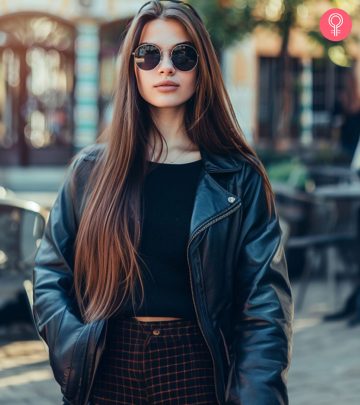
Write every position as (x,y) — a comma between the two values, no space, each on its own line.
(171,52)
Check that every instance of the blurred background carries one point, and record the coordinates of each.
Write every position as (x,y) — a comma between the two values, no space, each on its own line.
(297,99)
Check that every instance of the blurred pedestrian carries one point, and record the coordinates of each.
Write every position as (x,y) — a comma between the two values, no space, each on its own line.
(347,112)
(194,230)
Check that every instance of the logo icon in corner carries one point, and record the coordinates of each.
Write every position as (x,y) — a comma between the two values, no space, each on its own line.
(335,24)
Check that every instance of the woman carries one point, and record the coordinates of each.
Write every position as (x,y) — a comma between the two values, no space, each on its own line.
(191,236)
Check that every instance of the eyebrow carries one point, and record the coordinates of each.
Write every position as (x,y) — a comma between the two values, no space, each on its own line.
(179,43)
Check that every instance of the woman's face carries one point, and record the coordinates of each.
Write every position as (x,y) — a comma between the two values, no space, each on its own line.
(166,34)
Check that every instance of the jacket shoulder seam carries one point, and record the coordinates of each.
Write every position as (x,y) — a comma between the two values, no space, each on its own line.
(91,152)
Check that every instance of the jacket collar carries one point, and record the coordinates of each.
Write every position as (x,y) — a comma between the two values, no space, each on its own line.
(214,162)
(211,199)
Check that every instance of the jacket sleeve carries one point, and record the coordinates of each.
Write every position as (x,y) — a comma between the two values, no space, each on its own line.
(56,316)
(263,313)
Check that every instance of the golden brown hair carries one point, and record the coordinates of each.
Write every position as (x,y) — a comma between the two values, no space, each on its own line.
(106,266)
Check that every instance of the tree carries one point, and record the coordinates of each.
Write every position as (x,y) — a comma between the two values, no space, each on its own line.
(229,21)
(226,22)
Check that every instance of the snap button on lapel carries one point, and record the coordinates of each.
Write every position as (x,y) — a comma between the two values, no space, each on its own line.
(231,199)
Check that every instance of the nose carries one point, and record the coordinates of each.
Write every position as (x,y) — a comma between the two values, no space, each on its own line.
(166,65)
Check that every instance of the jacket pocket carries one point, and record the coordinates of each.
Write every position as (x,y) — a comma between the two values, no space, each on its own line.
(60,344)
(225,347)
(96,344)
(74,381)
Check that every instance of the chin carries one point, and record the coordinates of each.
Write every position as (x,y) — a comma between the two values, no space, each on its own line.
(168,103)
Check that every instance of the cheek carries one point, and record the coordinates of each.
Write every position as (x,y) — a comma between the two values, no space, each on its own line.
(190,82)
(138,78)
(142,78)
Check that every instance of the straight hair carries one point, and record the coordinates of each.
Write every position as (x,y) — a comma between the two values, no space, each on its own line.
(106,262)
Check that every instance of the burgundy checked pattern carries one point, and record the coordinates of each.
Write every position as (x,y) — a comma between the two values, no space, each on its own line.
(160,362)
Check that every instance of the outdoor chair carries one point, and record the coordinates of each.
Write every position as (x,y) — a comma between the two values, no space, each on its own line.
(329,249)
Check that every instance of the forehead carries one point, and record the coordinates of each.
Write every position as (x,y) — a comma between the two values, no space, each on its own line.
(164,33)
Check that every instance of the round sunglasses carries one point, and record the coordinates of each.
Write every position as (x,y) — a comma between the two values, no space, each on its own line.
(183,56)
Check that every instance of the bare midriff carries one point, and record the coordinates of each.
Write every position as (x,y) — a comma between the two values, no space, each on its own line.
(156,318)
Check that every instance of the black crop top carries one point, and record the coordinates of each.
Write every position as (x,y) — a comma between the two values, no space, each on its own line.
(168,198)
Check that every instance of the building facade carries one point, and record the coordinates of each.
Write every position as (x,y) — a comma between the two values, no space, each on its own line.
(57,70)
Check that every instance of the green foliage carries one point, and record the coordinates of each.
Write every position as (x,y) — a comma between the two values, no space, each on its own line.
(229,21)
(292,172)
(226,25)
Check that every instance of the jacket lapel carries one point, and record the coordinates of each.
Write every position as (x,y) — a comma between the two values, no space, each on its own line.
(211,199)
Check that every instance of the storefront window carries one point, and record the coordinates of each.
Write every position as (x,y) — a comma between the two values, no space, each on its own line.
(36,89)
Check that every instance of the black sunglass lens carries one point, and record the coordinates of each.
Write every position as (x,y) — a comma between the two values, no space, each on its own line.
(147,57)
(184,57)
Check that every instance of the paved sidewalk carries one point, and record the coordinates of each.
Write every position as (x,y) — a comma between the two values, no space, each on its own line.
(325,368)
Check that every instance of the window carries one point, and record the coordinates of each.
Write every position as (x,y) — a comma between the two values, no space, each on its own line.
(269,97)
(36,89)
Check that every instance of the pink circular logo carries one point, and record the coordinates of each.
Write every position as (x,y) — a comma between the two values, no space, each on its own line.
(335,24)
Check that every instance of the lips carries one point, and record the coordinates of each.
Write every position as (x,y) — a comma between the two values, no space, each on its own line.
(167,83)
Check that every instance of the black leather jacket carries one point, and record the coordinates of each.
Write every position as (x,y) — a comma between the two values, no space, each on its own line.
(239,281)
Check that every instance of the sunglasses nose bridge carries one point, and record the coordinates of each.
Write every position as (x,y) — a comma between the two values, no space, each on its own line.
(166,56)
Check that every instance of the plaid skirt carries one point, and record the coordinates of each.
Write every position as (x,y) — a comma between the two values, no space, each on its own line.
(158,362)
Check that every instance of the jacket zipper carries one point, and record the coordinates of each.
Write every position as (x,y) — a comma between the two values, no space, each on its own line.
(215,219)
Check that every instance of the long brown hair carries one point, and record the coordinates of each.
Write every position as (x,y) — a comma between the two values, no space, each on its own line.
(106,266)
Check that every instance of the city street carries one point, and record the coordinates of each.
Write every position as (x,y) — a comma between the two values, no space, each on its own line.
(325,367)
(116,111)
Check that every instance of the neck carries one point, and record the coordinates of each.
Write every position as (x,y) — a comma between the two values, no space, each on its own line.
(170,121)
